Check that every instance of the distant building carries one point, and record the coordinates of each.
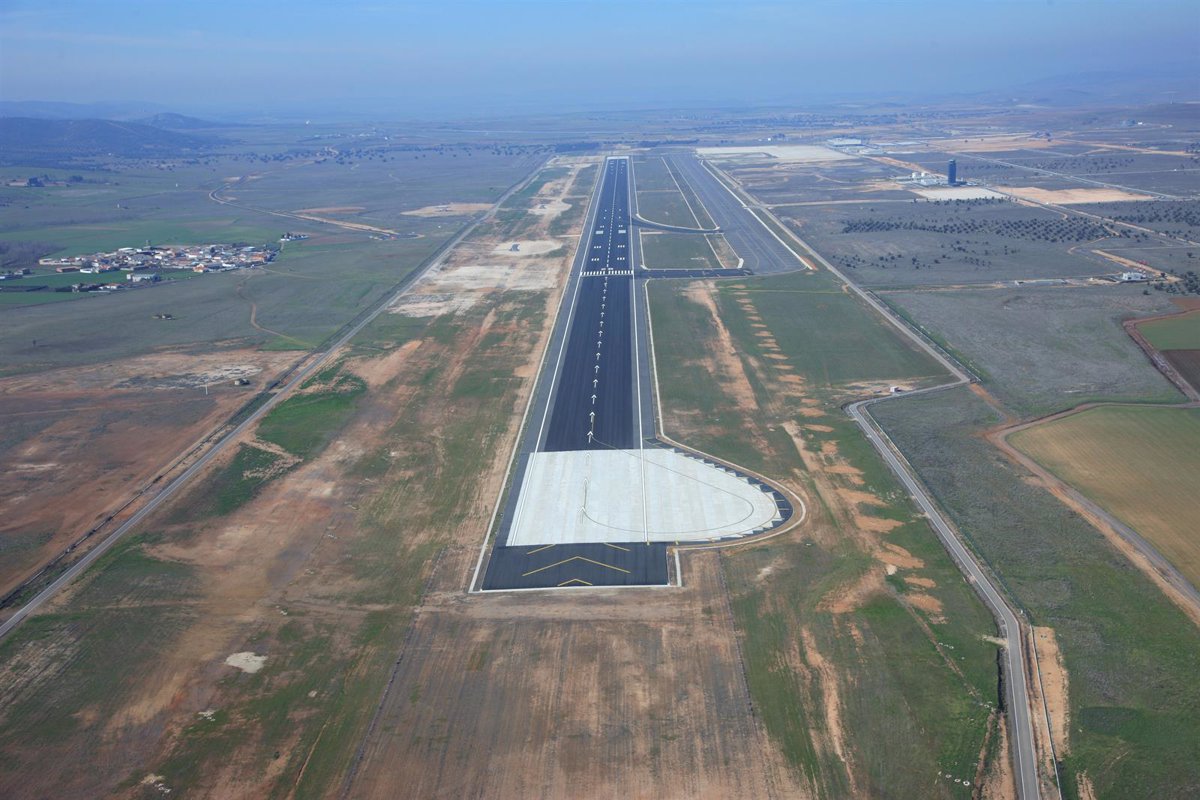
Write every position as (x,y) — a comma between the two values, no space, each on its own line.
(1134,277)
(952,173)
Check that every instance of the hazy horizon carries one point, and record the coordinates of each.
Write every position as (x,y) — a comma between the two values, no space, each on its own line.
(537,56)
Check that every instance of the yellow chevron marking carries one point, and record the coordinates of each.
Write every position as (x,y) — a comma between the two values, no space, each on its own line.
(568,561)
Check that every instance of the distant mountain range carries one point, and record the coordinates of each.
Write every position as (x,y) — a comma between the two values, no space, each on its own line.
(145,113)
(24,140)
(179,122)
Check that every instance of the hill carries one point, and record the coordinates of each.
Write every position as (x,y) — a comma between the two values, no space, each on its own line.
(44,141)
(180,122)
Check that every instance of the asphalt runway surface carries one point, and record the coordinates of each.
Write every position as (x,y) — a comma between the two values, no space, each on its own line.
(588,395)
(755,244)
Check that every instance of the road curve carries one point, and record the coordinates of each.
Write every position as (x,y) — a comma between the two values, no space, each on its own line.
(1021,723)
(172,488)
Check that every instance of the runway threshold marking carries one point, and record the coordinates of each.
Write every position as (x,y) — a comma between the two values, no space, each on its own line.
(569,560)
(540,549)
(616,546)
(577,581)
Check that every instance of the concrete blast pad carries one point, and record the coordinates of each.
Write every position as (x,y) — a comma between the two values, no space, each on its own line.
(596,496)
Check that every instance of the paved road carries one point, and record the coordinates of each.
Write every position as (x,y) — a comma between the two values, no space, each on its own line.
(172,488)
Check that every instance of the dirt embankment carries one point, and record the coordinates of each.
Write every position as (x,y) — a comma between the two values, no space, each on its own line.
(1055,687)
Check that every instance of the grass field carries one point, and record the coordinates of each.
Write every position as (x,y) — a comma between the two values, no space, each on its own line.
(677,251)
(1041,350)
(1141,464)
(1177,333)
(1130,653)
(826,662)
(825,331)
(310,291)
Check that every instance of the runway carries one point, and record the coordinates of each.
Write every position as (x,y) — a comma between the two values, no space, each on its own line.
(592,404)
(594,499)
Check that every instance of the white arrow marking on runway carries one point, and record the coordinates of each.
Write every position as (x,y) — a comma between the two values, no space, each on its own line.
(594,382)
(593,399)
(591,416)
(597,356)
(589,437)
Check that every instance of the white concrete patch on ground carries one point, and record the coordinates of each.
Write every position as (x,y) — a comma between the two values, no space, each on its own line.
(524,247)
(785,152)
(246,662)
(549,208)
(432,305)
(955,193)
(596,496)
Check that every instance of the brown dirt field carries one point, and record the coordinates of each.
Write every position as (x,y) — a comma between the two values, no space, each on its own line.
(991,144)
(1056,687)
(1187,364)
(80,443)
(1066,197)
(597,695)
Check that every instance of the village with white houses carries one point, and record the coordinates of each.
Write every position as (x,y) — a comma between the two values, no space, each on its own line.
(145,262)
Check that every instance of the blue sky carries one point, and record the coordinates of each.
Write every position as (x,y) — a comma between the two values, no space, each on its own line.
(454,55)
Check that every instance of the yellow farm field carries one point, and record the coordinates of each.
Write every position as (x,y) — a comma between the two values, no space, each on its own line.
(1142,464)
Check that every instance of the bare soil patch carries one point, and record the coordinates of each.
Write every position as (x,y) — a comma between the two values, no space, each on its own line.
(1067,197)
(590,695)
(527,247)
(1055,686)
(550,208)
(79,443)
(444,210)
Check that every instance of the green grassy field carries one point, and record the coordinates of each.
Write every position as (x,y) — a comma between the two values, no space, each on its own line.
(911,705)
(1130,653)
(309,292)
(1140,464)
(1041,350)
(677,251)
(1177,333)
(827,333)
